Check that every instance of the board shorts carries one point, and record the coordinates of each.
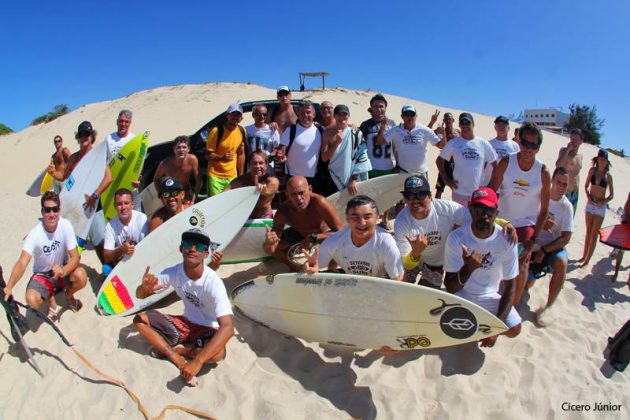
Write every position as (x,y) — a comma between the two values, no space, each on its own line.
(573,196)
(177,329)
(46,285)
(441,185)
(430,276)
(490,303)
(595,210)
(217,185)
(375,173)
(524,234)
(538,270)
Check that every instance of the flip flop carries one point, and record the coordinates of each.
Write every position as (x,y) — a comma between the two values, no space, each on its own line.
(53,314)
(74,304)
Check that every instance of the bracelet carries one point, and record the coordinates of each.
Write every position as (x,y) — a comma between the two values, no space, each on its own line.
(95,196)
(459,280)
(414,259)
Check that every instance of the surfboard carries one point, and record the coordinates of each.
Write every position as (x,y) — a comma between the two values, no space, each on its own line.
(247,244)
(125,168)
(221,216)
(150,199)
(617,236)
(83,180)
(363,312)
(385,190)
(44,182)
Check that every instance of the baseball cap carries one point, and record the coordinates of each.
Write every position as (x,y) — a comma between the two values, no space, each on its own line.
(341,108)
(197,235)
(85,128)
(416,183)
(485,196)
(465,116)
(603,153)
(234,108)
(283,89)
(501,119)
(408,108)
(171,184)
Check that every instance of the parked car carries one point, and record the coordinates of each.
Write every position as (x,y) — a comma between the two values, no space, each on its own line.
(157,153)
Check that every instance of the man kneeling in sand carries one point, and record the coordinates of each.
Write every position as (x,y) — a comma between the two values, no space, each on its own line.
(481,265)
(312,219)
(207,323)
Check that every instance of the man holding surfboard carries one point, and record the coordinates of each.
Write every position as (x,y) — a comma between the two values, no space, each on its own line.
(124,231)
(479,259)
(116,140)
(207,323)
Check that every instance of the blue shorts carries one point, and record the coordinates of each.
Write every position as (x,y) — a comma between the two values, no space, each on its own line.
(538,270)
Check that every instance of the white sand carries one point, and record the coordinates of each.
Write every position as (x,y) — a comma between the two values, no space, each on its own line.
(267,375)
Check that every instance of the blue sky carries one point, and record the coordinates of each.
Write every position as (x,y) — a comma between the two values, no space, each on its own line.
(493,57)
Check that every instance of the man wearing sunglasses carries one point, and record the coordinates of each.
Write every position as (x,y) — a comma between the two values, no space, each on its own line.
(200,335)
(260,136)
(524,183)
(481,265)
(470,154)
(53,246)
(172,195)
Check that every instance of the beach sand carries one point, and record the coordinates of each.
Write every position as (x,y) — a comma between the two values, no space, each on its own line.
(267,375)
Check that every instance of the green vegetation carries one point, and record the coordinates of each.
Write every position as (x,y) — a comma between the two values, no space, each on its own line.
(585,118)
(619,153)
(4,130)
(57,112)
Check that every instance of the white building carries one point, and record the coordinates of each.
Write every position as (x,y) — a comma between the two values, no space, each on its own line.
(549,118)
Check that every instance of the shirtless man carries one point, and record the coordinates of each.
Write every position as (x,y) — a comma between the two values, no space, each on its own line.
(172,195)
(283,116)
(182,166)
(61,155)
(311,219)
(257,177)
(447,133)
(571,160)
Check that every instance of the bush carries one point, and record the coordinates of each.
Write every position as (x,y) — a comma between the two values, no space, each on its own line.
(4,130)
(57,112)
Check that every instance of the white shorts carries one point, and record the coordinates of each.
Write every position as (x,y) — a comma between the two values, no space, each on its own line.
(595,210)
(491,304)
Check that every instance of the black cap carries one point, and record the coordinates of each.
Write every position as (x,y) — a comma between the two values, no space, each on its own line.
(416,183)
(465,116)
(197,235)
(85,129)
(171,184)
(603,153)
(577,131)
(501,119)
(341,108)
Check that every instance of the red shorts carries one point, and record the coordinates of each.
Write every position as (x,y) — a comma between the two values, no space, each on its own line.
(525,233)
(46,285)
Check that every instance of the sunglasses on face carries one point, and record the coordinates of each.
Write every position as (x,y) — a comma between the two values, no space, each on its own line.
(483,210)
(172,193)
(188,244)
(530,145)
(259,114)
(54,209)
(58,141)
(465,122)
(408,114)
(415,195)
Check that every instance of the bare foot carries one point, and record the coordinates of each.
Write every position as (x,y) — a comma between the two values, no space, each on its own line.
(584,264)
(539,319)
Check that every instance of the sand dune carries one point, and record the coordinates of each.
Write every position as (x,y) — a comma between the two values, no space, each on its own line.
(267,375)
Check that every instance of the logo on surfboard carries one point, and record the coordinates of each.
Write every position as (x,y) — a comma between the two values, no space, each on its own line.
(459,323)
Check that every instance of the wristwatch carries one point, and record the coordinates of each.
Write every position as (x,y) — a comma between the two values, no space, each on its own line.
(313,238)
(94,196)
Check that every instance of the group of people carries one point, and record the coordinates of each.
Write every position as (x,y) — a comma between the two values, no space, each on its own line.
(509,220)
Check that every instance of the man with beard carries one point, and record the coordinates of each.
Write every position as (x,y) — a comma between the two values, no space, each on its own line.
(172,195)
(311,219)
(258,177)
(182,166)
(481,265)
(124,231)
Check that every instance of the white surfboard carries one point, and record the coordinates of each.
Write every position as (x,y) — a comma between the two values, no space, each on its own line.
(247,244)
(221,216)
(385,190)
(150,199)
(83,180)
(363,312)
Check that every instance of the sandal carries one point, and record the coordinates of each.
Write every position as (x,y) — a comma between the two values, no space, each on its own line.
(53,314)
(74,304)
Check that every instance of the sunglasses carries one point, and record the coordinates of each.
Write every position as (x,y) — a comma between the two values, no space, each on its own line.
(171,193)
(188,244)
(54,209)
(415,195)
(259,114)
(58,141)
(408,114)
(465,122)
(483,210)
(530,145)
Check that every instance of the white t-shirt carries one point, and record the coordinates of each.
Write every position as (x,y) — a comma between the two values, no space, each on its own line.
(205,299)
(500,259)
(116,233)
(304,153)
(411,146)
(115,143)
(264,139)
(443,215)
(48,249)
(503,148)
(378,257)
(562,213)
(469,157)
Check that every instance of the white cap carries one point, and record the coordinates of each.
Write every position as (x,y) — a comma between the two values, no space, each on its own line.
(235,108)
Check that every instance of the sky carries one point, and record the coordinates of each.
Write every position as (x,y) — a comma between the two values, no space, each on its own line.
(492,57)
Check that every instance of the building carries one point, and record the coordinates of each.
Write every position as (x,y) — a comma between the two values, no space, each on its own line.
(550,119)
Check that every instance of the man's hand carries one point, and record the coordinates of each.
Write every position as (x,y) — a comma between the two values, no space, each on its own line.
(128,248)
(215,259)
(434,117)
(472,260)
(90,203)
(311,266)
(8,291)
(418,245)
(190,369)
(388,351)
(451,183)
(150,282)
(538,257)
(271,240)
(352,187)
(509,231)
(57,271)
(274,126)
(488,342)
(227,157)
(550,223)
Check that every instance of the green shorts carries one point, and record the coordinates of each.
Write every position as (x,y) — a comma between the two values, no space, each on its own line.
(217,185)
(375,173)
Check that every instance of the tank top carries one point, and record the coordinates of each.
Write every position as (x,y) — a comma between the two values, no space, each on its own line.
(520,193)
